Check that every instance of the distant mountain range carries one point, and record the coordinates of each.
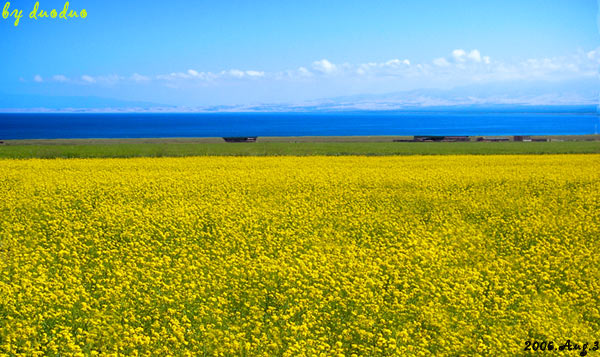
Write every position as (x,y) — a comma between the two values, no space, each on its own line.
(498,94)
(44,103)
(581,93)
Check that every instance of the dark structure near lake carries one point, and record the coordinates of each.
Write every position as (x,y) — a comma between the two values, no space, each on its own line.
(491,139)
(456,138)
(241,139)
(450,139)
(434,138)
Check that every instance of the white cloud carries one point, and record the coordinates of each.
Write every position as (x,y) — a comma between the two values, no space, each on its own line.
(301,73)
(324,66)
(393,67)
(459,55)
(110,79)
(38,78)
(236,73)
(60,78)
(366,68)
(136,77)
(397,62)
(594,55)
(255,73)
(304,72)
(457,67)
(173,76)
(474,55)
(192,74)
(441,62)
(88,79)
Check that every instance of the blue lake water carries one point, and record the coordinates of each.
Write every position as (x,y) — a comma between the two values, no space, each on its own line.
(480,122)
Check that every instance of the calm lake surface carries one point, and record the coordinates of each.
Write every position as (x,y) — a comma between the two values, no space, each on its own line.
(66,126)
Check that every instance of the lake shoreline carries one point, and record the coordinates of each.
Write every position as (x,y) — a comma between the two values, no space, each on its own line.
(274,139)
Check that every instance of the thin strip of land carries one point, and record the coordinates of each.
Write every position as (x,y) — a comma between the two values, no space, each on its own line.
(285,146)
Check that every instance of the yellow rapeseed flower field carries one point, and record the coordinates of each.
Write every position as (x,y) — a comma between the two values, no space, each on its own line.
(451,255)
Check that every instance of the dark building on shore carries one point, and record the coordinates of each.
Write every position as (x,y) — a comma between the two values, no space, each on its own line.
(241,139)
(492,138)
(430,138)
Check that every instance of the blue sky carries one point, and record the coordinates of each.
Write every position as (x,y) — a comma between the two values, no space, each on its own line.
(198,53)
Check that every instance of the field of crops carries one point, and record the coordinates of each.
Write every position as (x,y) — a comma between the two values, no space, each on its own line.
(454,255)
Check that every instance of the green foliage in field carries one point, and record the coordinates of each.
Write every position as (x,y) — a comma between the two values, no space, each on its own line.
(124,149)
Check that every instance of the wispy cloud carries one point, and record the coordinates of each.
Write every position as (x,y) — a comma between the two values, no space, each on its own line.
(110,80)
(192,74)
(60,78)
(462,56)
(37,78)
(458,66)
(255,73)
(391,67)
(88,79)
(472,65)
(441,62)
(236,73)
(324,66)
(303,72)
(136,77)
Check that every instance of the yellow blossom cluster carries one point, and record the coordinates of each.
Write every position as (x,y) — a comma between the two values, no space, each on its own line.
(263,256)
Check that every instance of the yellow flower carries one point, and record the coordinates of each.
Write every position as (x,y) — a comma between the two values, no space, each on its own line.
(260,256)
